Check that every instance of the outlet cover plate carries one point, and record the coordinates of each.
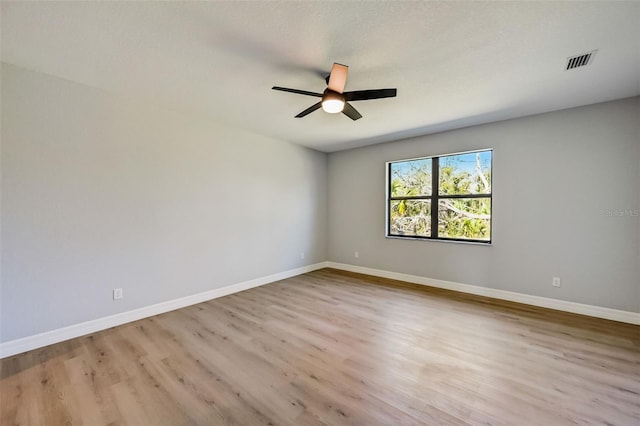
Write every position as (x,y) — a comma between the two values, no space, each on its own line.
(117,294)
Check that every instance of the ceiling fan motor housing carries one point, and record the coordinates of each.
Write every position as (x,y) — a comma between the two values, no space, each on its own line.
(332,101)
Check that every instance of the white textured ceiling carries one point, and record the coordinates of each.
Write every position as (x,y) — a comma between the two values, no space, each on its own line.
(455,64)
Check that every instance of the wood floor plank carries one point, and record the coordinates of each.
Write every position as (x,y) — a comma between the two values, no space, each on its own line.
(335,348)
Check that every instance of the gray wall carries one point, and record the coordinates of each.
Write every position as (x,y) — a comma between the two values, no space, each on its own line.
(556,176)
(100,192)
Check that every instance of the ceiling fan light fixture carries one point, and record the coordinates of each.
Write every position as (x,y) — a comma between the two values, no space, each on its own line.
(332,102)
(333,106)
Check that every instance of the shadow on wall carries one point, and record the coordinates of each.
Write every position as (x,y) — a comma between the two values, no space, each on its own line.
(485,118)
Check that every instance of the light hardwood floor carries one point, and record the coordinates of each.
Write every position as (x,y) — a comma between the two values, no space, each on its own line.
(335,348)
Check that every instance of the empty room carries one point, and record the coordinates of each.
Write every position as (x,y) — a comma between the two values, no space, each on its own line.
(320,213)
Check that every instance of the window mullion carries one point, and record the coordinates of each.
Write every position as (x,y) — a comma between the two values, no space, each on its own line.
(454,196)
(422,197)
(435,179)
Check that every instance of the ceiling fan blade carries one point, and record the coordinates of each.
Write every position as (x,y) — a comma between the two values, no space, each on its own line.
(363,95)
(299,92)
(351,112)
(309,110)
(338,77)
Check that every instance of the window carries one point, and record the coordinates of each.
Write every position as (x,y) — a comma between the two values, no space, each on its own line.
(447,197)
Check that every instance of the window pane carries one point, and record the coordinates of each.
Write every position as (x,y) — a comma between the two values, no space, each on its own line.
(465,174)
(466,218)
(411,178)
(410,218)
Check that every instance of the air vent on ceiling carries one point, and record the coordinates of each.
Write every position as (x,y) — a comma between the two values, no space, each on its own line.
(580,60)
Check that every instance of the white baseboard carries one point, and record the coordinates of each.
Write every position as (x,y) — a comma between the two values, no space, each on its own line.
(36,341)
(544,302)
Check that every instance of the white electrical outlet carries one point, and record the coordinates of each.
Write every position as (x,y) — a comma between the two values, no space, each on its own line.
(117,294)
(555,282)
(301,255)
(356,254)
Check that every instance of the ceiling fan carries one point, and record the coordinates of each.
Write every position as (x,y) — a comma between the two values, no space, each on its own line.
(335,99)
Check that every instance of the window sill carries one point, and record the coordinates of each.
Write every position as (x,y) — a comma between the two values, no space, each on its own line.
(475,243)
